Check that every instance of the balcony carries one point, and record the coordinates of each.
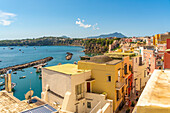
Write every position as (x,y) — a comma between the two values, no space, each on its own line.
(120,84)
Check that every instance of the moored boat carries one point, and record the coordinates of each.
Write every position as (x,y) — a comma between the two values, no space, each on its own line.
(12,86)
(2,83)
(40,76)
(14,72)
(22,77)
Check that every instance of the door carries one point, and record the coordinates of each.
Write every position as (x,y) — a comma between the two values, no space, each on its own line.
(88,86)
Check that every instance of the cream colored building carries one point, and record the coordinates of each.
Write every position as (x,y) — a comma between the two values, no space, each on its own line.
(65,87)
(155,97)
(140,76)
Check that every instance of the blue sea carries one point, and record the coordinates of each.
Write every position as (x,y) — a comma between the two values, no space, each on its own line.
(28,54)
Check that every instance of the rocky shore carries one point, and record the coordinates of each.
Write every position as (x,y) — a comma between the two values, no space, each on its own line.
(26,65)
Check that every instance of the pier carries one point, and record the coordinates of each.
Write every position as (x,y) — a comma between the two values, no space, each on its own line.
(26,65)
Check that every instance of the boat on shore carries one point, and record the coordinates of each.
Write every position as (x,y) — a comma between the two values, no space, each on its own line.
(22,77)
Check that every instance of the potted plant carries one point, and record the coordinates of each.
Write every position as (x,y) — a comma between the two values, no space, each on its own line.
(133,104)
(128,110)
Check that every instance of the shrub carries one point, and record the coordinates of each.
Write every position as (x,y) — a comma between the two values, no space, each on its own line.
(133,104)
(128,110)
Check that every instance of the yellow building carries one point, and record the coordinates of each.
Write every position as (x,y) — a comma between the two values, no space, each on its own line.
(110,77)
(161,38)
(155,96)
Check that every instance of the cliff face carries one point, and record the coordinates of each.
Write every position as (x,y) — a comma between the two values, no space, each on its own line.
(95,48)
(99,45)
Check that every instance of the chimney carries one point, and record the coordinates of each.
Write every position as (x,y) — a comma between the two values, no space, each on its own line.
(8,87)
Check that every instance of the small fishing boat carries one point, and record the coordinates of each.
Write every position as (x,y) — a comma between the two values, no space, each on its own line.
(40,65)
(19,49)
(38,70)
(0,60)
(22,70)
(69,56)
(40,76)
(14,72)
(2,76)
(22,77)
(2,83)
(12,86)
(11,48)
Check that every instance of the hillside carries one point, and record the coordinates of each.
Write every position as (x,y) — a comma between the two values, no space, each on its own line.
(116,34)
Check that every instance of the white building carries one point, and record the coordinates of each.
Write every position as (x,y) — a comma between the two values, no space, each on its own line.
(65,87)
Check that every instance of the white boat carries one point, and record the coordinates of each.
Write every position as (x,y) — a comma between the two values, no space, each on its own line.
(40,65)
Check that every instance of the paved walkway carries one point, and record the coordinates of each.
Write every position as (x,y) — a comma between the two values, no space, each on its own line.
(125,107)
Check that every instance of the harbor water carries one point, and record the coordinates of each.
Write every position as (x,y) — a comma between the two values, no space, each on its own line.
(10,57)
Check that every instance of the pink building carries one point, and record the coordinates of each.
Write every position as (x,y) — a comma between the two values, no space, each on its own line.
(159,55)
(149,59)
(167,56)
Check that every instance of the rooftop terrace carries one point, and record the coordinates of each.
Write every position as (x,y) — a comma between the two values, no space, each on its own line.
(10,104)
(119,54)
(70,69)
(156,95)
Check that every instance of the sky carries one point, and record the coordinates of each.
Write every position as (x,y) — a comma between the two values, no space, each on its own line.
(21,19)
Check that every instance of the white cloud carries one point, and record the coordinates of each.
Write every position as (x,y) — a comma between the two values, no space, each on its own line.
(6,18)
(81,23)
(95,27)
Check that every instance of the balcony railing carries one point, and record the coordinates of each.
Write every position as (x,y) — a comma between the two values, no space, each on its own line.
(80,96)
(120,84)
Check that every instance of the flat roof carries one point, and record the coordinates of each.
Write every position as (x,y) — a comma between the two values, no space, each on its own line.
(70,69)
(10,104)
(113,62)
(119,53)
(156,93)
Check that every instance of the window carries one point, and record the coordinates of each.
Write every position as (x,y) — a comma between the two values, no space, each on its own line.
(122,89)
(136,60)
(130,68)
(118,75)
(145,73)
(118,95)
(79,91)
(149,60)
(125,69)
(88,104)
(126,81)
(109,78)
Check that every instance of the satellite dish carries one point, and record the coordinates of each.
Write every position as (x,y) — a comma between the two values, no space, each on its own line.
(29,94)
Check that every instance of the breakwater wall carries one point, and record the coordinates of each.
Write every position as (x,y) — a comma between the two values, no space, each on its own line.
(26,65)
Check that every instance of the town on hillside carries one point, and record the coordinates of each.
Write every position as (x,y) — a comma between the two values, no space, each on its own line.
(129,75)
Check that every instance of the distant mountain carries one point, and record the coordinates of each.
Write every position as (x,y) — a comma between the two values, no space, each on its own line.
(65,36)
(116,34)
